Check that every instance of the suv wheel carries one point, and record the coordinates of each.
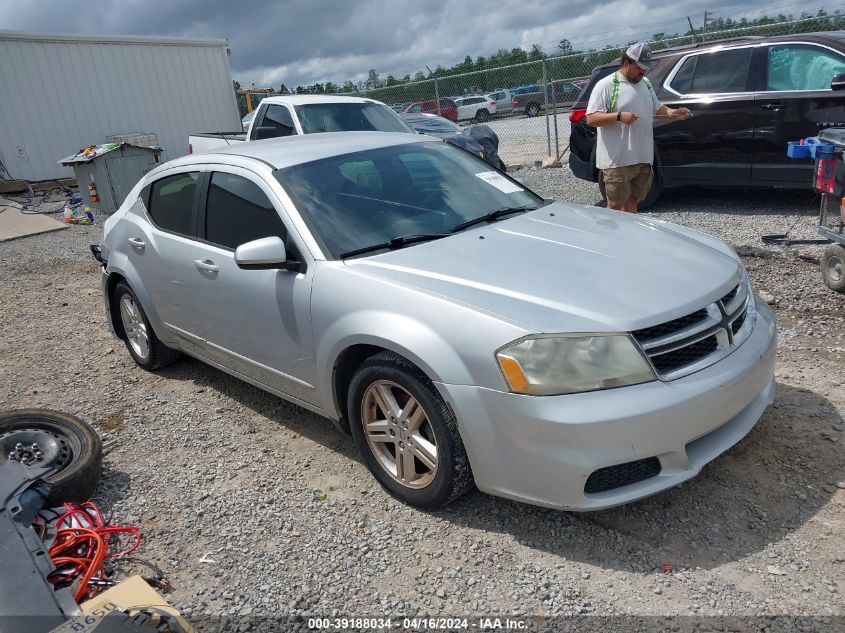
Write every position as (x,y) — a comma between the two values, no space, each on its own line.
(406,434)
(481,116)
(833,267)
(532,109)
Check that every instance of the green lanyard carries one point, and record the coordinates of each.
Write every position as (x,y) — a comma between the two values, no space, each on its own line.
(614,91)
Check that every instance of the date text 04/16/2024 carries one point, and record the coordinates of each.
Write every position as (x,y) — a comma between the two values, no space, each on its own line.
(418,623)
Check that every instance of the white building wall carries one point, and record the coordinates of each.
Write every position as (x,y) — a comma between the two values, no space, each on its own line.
(61,93)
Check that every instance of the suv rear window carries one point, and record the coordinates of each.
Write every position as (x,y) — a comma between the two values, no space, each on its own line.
(716,72)
(598,75)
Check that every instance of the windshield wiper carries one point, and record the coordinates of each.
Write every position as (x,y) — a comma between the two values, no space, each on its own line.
(492,216)
(395,242)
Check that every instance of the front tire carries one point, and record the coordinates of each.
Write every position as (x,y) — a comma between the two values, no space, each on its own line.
(141,341)
(67,446)
(833,267)
(406,433)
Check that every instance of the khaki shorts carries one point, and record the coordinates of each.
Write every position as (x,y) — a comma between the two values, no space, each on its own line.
(623,183)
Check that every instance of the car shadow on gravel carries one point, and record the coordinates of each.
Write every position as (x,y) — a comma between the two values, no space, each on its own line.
(738,201)
(763,489)
(281,412)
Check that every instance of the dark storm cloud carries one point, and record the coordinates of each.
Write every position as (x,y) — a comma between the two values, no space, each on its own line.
(329,40)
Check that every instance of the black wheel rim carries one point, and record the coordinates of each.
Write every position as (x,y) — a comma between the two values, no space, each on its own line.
(39,442)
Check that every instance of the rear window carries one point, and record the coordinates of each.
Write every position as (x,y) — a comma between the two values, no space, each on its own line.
(716,72)
(349,117)
(598,75)
(172,203)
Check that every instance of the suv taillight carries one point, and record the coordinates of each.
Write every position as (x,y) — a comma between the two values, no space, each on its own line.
(190,148)
(577,115)
(515,102)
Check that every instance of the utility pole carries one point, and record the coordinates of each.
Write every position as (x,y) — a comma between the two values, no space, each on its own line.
(691,29)
(707,16)
(436,90)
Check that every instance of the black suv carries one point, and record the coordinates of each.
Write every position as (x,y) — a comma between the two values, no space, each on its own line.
(748,97)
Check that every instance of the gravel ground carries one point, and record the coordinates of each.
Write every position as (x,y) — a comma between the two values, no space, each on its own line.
(221,477)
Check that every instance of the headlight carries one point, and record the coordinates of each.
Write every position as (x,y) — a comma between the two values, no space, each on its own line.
(553,364)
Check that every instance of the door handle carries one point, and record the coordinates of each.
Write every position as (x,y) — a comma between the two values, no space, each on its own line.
(136,242)
(772,106)
(206,265)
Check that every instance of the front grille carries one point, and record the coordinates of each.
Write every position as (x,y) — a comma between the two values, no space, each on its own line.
(622,475)
(697,339)
(670,361)
(670,327)
(726,300)
(738,323)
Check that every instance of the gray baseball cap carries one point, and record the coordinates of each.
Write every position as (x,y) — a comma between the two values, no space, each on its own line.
(641,53)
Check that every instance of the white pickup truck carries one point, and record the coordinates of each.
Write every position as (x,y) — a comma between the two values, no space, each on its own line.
(306,114)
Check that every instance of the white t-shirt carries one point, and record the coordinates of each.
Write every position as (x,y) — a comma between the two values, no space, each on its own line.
(618,144)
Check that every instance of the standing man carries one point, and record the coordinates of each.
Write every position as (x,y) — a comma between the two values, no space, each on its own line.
(622,106)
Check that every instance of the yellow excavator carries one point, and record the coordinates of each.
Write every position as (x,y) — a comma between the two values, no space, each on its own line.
(249,98)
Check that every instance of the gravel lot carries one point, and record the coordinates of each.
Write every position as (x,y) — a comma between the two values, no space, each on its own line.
(221,477)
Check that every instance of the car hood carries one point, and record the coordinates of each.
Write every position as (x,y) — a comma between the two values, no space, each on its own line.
(568,268)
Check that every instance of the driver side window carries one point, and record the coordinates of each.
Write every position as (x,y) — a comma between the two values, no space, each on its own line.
(238,211)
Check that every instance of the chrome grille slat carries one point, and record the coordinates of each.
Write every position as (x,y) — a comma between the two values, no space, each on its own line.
(681,346)
(702,328)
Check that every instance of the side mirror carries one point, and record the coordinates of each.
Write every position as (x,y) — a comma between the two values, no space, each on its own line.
(266,131)
(266,253)
(838,82)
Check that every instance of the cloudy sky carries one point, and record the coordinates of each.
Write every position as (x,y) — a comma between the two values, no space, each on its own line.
(300,42)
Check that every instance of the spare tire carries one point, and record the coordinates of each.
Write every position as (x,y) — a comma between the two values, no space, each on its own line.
(69,447)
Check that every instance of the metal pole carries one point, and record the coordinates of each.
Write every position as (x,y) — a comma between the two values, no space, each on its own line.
(546,103)
(554,109)
(436,91)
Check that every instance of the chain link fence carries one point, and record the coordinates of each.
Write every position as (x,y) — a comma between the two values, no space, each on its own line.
(528,104)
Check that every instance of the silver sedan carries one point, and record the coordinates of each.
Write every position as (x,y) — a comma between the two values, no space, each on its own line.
(462,329)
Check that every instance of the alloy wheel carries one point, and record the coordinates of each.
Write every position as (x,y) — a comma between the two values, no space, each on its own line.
(399,434)
(134,326)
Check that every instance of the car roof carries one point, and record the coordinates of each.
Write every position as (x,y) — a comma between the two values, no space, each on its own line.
(819,36)
(304,148)
(311,99)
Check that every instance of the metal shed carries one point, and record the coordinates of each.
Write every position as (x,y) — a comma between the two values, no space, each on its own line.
(63,93)
(111,172)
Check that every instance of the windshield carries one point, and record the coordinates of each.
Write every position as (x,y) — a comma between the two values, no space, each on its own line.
(356,200)
(349,117)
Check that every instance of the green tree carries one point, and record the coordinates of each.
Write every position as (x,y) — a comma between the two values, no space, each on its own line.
(283,90)
(373,80)
(536,53)
(564,47)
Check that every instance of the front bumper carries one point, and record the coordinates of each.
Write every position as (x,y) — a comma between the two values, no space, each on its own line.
(542,450)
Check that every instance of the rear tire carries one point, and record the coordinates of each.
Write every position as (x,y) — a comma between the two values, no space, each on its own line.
(69,447)
(481,116)
(532,110)
(141,341)
(833,267)
(406,433)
